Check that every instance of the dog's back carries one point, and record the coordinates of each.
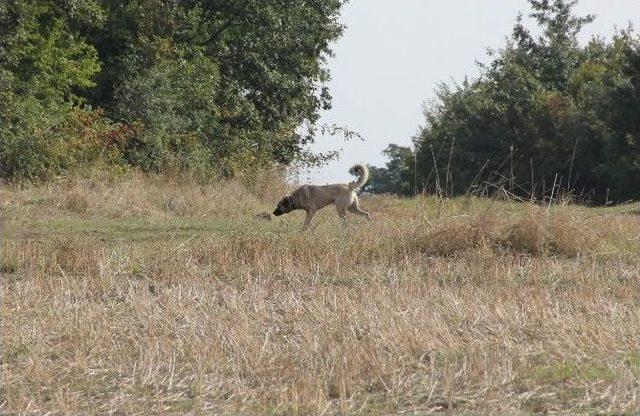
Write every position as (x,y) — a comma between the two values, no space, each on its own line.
(312,198)
(319,196)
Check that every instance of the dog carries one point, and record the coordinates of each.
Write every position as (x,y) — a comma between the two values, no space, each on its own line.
(313,198)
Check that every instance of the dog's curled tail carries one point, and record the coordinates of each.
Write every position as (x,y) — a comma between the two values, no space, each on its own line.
(362,171)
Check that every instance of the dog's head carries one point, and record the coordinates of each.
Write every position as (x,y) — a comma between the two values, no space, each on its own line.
(284,206)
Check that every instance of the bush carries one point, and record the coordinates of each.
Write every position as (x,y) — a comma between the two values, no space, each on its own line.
(39,142)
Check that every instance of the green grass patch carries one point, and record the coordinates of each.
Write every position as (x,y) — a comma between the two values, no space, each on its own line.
(557,373)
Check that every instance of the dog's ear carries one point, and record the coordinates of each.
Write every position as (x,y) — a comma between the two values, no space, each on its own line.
(287,202)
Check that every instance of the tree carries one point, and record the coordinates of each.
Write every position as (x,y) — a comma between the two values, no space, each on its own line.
(545,116)
(270,67)
(218,86)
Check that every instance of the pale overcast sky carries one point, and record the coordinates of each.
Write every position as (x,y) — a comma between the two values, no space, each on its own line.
(393,54)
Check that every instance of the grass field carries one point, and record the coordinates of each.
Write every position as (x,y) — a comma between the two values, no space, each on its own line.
(157,296)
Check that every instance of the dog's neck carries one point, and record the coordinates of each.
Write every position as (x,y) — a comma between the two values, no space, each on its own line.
(295,203)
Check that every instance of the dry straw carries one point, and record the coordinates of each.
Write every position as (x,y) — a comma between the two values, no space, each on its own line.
(141,295)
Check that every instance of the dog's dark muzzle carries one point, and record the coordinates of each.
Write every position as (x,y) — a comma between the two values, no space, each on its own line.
(277,212)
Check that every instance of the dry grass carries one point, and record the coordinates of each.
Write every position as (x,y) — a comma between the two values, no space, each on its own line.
(155,296)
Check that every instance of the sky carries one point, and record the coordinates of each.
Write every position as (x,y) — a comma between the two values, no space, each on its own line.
(393,54)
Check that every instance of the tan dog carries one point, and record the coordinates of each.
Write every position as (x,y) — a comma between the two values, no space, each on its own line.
(312,198)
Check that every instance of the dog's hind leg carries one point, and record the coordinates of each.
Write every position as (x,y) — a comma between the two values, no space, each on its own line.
(355,208)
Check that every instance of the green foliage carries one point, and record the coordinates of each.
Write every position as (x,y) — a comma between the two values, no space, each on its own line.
(397,176)
(44,67)
(218,87)
(173,106)
(270,67)
(29,147)
(42,142)
(45,55)
(546,111)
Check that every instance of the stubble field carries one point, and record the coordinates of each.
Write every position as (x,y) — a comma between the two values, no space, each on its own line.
(140,295)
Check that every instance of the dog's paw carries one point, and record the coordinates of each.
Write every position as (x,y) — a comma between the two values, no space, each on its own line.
(264,216)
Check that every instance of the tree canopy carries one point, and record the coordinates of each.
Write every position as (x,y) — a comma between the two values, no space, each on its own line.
(219,86)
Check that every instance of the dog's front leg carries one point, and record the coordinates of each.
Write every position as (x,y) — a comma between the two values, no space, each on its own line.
(307,219)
